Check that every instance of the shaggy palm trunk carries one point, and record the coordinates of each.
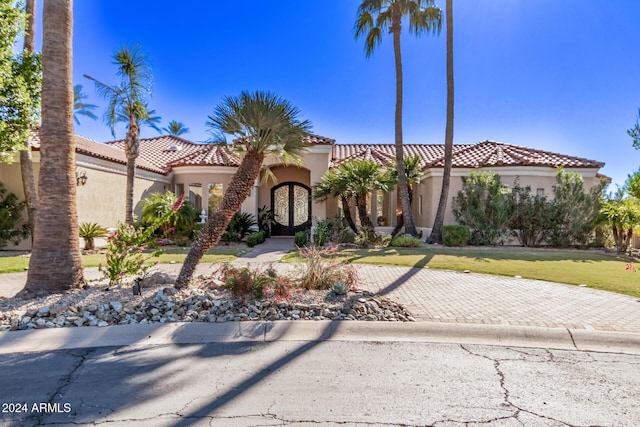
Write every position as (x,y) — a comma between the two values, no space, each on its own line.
(361,205)
(26,161)
(132,149)
(239,189)
(347,214)
(436,232)
(409,226)
(400,218)
(56,264)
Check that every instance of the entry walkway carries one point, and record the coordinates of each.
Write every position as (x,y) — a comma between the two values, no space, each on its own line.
(453,297)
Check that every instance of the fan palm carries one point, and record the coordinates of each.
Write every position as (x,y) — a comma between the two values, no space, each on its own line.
(363,177)
(264,125)
(127,102)
(413,172)
(56,263)
(375,17)
(79,107)
(436,231)
(334,184)
(176,128)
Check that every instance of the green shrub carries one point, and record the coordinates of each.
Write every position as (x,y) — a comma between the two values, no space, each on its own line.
(239,226)
(455,235)
(530,216)
(178,221)
(255,239)
(483,206)
(266,218)
(406,241)
(262,236)
(90,231)
(300,239)
(367,238)
(321,233)
(10,216)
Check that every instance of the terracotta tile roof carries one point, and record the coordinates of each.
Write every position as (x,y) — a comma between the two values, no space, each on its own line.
(483,154)
(100,150)
(162,150)
(320,140)
(210,155)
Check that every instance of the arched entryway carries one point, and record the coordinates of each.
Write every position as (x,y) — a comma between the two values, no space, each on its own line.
(291,204)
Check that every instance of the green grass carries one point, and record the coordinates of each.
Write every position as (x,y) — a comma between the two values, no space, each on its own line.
(11,264)
(606,272)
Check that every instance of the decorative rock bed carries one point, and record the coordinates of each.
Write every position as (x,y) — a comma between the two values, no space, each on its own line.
(204,303)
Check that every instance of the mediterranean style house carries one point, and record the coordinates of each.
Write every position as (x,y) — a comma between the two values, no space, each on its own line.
(202,173)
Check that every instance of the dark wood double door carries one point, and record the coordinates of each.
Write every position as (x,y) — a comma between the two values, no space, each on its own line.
(291,205)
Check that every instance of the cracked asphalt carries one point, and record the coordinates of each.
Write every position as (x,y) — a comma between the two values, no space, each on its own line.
(325,383)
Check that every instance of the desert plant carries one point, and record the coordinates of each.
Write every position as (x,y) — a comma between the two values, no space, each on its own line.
(406,241)
(90,231)
(321,233)
(455,235)
(300,239)
(10,217)
(321,272)
(243,282)
(340,288)
(266,218)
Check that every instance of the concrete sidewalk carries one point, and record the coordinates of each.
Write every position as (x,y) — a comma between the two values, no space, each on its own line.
(449,297)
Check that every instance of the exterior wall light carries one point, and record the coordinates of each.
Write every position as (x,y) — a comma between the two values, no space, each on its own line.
(81,177)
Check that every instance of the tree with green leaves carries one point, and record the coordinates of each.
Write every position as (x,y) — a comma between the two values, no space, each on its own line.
(335,184)
(128,103)
(622,214)
(363,177)
(263,125)
(634,133)
(413,172)
(176,128)
(12,228)
(56,263)
(20,87)
(482,205)
(80,107)
(436,231)
(376,17)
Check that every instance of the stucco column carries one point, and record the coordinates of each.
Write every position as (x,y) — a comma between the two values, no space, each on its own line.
(204,192)
(318,209)
(251,203)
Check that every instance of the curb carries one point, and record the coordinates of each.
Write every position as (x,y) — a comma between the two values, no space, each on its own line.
(324,330)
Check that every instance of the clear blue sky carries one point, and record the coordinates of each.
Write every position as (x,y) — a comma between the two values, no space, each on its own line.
(559,75)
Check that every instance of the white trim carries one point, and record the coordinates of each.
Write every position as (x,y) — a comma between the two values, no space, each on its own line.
(187,170)
(117,168)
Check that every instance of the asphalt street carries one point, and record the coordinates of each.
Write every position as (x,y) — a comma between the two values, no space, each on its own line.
(330,383)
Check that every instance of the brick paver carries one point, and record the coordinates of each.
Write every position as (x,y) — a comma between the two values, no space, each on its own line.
(448,296)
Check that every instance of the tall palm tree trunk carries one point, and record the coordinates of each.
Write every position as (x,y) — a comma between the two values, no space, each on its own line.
(347,214)
(26,161)
(56,264)
(409,226)
(238,190)
(361,205)
(132,150)
(436,232)
(400,218)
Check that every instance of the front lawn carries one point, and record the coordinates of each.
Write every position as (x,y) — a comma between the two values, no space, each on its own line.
(600,271)
(10,264)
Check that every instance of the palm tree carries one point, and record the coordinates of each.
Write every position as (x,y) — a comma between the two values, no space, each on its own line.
(334,184)
(436,231)
(127,103)
(79,107)
(176,128)
(414,173)
(56,264)
(26,160)
(264,125)
(376,17)
(363,177)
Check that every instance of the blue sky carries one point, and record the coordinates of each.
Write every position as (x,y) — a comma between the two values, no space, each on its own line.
(559,75)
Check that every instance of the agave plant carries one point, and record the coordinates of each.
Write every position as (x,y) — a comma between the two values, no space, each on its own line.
(90,231)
